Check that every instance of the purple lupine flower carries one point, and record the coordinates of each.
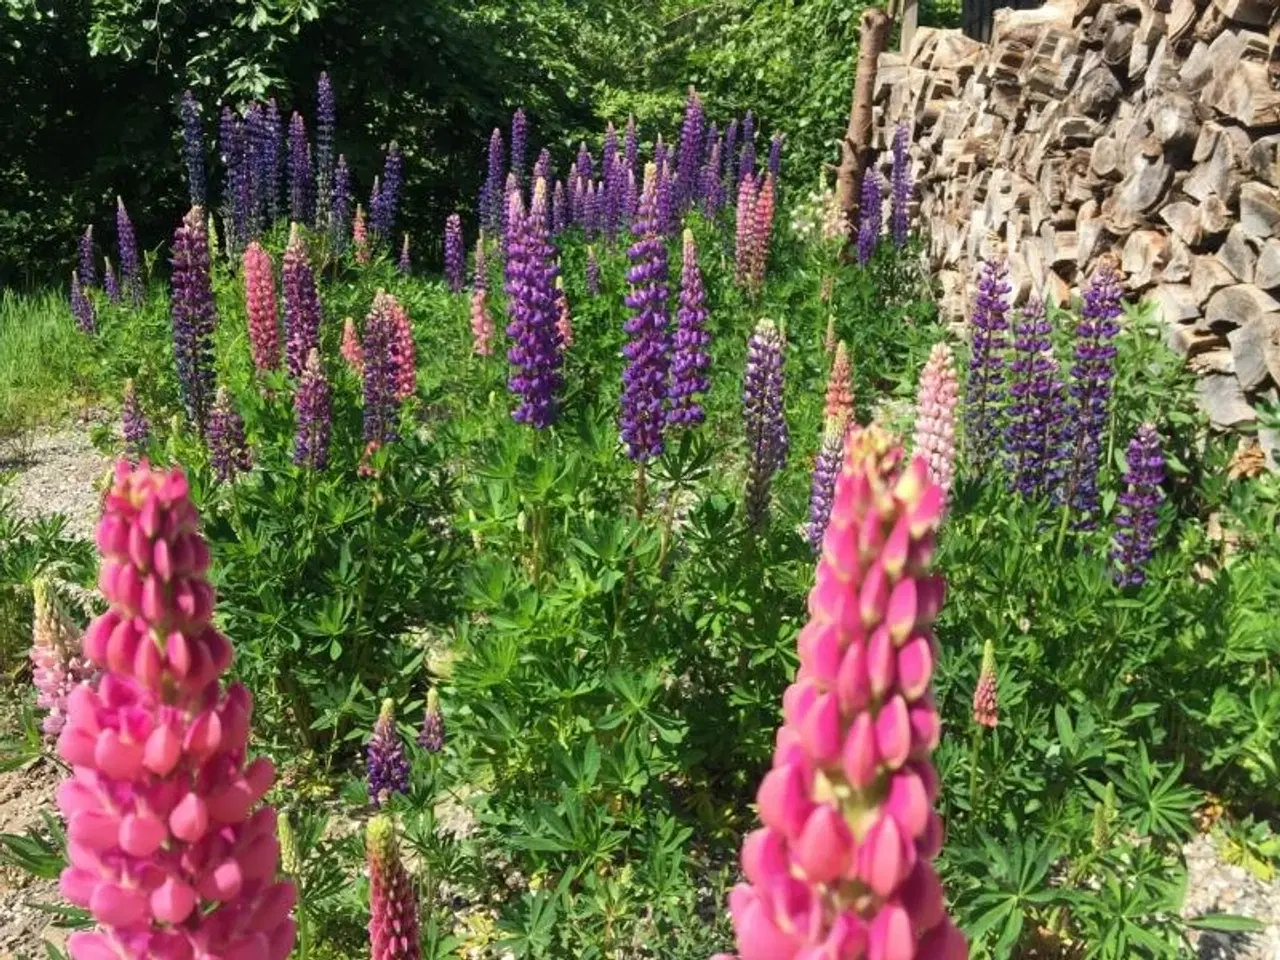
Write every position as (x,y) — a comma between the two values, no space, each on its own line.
(870,216)
(633,196)
(312,410)
(765,424)
(404,265)
(693,135)
(492,196)
(826,467)
(388,767)
(727,157)
(480,269)
(109,282)
(431,737)
(193,148)
(668,215)
(194,314)
(301,187)
(454,255)
(1091,378)
(631,146)
(258,217)
(1030,390)
(381,399)
(340,205)
(987,362)
(648,349)
(559,210)
(133,423)
(747,159)
(775,155)
(713,197)
(535,354)
(900,194)
(1138,516)
(593,272)
(583,164)
(519,141)
(87,268)
(508,224)
(691,360)
(542,166)
(82,308)
(270,158)
(228,453)
(614,182)
(576,199)
(231,155)
(382,209)
(301,304)
(126,241)
(326,122)
(591,215)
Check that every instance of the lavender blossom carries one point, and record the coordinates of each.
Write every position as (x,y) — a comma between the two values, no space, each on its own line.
(871,214)
(326,121)
(382,209)
(194,315)
(301,304)
(1027,440)
(301,187)
(519,142)
(454,255)
(765,424)
(340,205)
(987,363)
(491,194)
(388,767)
(900,192)
(193,148)
(693,135)
(82,308)
(228,453)
(1138,516)
(689,365)
(87,269)
(535,354)
(826,467)
(130,269)
(312,410)
(133,423)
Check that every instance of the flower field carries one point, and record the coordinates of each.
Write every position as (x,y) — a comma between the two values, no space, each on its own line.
(636,566)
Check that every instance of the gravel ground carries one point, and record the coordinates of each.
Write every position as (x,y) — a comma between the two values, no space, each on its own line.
(24,794)
(1217,887)
(59,474)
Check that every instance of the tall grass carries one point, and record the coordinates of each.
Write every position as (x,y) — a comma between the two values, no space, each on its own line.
(46,365)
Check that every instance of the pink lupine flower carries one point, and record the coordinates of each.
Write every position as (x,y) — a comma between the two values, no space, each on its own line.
(839,406)
(481,323)
(761,228)
(986,708)
(743,229)
(935,437)
(841,867)
(564,321)
(260,305)
(393,904)
(403,352)
(56,665)
(360,236)
(166,849)
(351,349)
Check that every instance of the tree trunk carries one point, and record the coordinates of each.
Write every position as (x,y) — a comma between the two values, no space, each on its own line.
(856,149)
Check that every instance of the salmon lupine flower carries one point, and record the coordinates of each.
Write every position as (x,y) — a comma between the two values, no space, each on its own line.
(56,665)
(360,236)
(986,708)
(839,405)
(935,435)
(841,867)
(260,305)
(761,228)
(166,849)
(564,319)
(481,323)
(393,904)
(351,349)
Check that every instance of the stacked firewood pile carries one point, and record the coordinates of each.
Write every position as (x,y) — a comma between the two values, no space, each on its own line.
(1148,130)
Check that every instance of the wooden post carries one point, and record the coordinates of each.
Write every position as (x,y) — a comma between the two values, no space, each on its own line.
(910,20)
(856,148)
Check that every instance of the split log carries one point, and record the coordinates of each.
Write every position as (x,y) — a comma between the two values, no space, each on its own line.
(1208,276)
(1238,255)
(1222,399)
(1178,269)
(1254,13)
(1185,340)
(1215,218)
(1233,307)
(1145,254)
(1264,159)
(1246,95)
(856,147)
(1267,274)
(1098,92)
(1184,219)
(1104,159)
(1175,304)
(1255,347)
(1260,210)
(1174,122)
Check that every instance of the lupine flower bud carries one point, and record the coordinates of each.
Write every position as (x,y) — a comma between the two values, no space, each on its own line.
(388,766)
(900,194)
(454,258)
(766,425)
(935,436)
(841,867)
(492,195)
(136,429)
(290,862)
(564,320)
(593,272)
(534,355)
(340,205)
(986,362)
(228,453)
(839,405)
(82,308)
(519,141)
(382,211)
(393,903)
(985,704)
(166,849)
(301,186)
(193,148)
(351,349)
(829,341)
(130,270)
(826,468)
(301,304)
(1138,516)
(56,665)
(311,408)
(360,236)
(431,738)
(691,360)
(260,305)
(194,315)
(871,216)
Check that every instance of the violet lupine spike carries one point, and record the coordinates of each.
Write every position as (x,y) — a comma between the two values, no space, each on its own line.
(259,216)
(260,307)
(826,467)
(775,155)
(768,441)
(667,213)
(1027,441)
(133,423)
(313,414)
(161,775)
(431,737)
(388,767)
(491,194)
(393,900)
(900,191)
(1091,377)
(985,394)
(301,185)
(130,266)
(615,185)
(193,148)
(56,665)
(235,179)
(593,272)
(935,430)
(693,135)
(87,268)
(404,265)
(82,308)
(193,312)
(1139,515)
(272,140)
(508,224)
(711,187)
(383,374)
(631,145)
(110,283)
(519,141)
(302,312)
(454,254)
(728,155)
(747,158)
(535,357)
(542,166)
(340,205)
(691,359)
(559,210)
(841,866)
(642,414)
(839,398)
(870,216)
(986,704)
(326,122)
(382,217)
(228,453)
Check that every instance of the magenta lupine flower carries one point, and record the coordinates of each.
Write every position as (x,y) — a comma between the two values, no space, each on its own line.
(775,156)
(301,186)
(194,315)
(260,306)
(193,148)
(431,737)
(130,268)
(841,867)
(340,205)
(133,423)
(87,268)
(935,433)
(301,304)
(404,354)
(648,350)
(171,851)
(760,228)
(826,467)
(492,195)
(987,363)
(313,412)
(765,423)
(481,323)
(593,272)
(56,665)
(1091,377)
(326,121)
(382,209)
(534,355)
(454,257)
(693,135)
(388,767)
(986,705)
(404,265)
(228,453)
(519,141)
(900,193)
(1031,376)
(870,216)
(393,902)
(690,361)
(1139,514)
(82,308)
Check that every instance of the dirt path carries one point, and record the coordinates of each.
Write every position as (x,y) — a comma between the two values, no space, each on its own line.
(24,795)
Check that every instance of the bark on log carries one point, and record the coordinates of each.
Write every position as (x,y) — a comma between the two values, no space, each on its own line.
(856,148)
